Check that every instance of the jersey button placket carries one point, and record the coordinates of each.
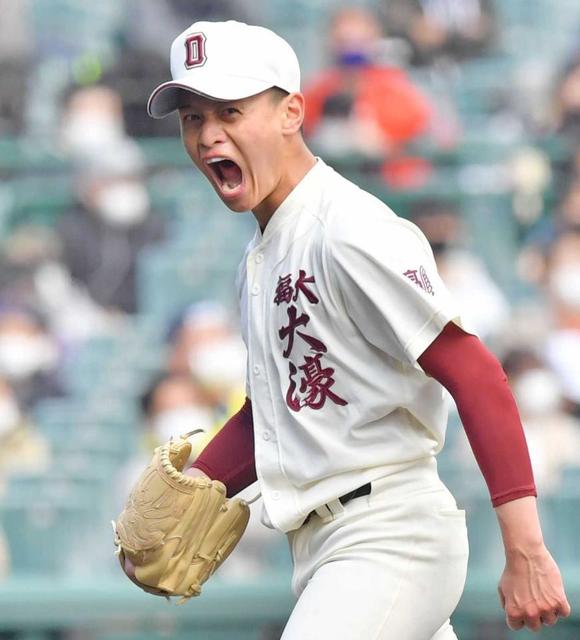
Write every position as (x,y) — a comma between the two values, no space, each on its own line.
(267,438)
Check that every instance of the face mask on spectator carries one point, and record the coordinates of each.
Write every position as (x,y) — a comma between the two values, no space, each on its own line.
(21,356)
(9,415)
(85,133)
(537,392)
(565,284)
(219,364)
(124,204)
(180,420)
(353,58)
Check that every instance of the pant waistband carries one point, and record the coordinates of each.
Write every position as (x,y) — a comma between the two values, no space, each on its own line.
(326,512)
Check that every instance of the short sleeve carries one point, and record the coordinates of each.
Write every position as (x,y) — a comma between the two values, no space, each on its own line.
(387,279)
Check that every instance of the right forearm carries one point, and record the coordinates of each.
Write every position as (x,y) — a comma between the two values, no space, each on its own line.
(520,526)
(229,457)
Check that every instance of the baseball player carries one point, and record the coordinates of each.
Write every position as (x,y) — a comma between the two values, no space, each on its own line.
(352,337)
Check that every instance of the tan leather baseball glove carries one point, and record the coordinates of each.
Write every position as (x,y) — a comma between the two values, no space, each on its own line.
(176,530)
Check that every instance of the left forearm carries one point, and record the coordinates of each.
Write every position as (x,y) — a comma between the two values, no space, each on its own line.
(475,379)
(531,589)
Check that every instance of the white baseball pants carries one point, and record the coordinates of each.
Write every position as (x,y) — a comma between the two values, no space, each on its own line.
(387,566)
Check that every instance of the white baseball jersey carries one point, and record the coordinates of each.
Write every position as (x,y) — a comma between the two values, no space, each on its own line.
(338,298)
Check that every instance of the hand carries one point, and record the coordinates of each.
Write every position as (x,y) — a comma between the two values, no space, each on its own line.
(130,569)
(531,590)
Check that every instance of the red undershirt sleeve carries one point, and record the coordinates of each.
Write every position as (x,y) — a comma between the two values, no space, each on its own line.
(478,384)
(229,456)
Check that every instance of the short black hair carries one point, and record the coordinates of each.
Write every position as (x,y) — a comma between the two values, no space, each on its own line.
(278,94)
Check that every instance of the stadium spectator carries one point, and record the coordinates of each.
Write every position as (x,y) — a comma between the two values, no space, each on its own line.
(103,238)
(536,247)
(131,77)
(364,105)
(29,356)
(553,434)
(568,217)
(567,100)
(435,29)
(32,275)
(15,65)
(563,287)
(484,306)
(22,448)
(23,254)
(205,346)
(91,121)
(174,405)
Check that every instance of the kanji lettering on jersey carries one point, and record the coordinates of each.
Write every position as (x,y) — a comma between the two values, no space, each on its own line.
(284,290)
(301,287)
(288,332)
(315,385)
(426,282)
(420,278)
(316,380)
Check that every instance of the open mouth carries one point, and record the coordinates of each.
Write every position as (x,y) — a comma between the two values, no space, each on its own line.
(227,174)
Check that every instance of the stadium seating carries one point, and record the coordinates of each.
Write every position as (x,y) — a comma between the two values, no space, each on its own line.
(51,519)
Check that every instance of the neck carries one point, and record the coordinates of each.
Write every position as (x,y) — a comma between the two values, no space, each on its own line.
(296,165)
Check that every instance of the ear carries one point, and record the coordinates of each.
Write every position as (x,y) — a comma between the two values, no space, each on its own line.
(293,114)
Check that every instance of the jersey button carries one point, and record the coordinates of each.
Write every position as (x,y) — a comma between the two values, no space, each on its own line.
(256,289)
(266,435)
(275,495)
(256,370)
(259,258)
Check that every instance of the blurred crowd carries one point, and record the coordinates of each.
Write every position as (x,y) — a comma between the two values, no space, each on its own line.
(383,107)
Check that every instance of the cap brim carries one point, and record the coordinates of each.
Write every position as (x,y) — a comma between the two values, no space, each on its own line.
(167,97)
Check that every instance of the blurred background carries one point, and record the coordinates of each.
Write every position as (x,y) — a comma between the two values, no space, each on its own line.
(118,320)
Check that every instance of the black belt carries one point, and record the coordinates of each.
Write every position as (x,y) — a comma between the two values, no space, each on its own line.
(347,497)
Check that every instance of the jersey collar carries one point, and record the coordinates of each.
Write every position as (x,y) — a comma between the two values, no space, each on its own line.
(295,201)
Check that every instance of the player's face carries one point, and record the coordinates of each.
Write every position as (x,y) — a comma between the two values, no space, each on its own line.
(236,145)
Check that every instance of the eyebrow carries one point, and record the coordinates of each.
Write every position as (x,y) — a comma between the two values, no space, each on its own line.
(190,108)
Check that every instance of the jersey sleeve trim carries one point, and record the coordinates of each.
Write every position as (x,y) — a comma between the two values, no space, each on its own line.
(514,494)
(429,331)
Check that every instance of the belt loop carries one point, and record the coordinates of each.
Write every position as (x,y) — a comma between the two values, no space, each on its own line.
(330,510)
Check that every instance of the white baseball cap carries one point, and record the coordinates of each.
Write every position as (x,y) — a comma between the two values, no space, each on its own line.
(225,61)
